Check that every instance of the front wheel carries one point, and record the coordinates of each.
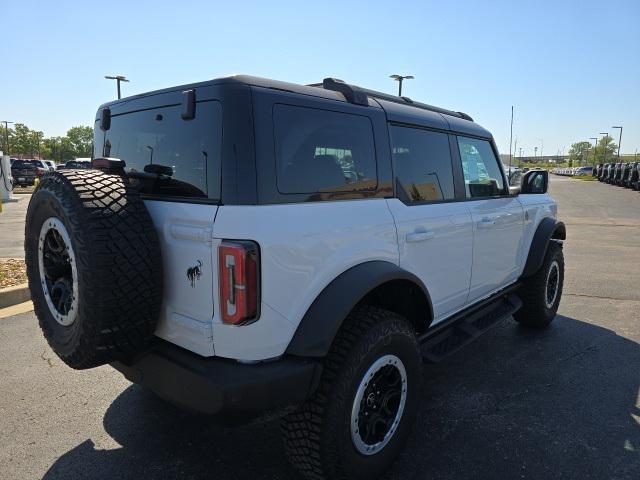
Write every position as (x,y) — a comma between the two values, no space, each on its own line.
(359,419)
(541,292)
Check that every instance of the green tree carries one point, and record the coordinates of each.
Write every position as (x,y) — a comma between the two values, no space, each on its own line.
(35,143)
(579,153)
(606,150)
(80,139)
(21,144)
(6,135)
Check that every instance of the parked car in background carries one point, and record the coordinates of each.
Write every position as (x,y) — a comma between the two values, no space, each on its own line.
(25,172)
(583,171)
(60,166)
(619,173)
(634,181)
(610,173)
(51,164)
(75,164)
(624,173)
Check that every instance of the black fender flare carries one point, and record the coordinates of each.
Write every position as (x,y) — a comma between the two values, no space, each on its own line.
(323,319)
(548,229)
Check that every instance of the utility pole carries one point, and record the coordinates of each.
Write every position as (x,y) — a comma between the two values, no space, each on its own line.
(6,135)
(399,79)
(619,141)
(118,79)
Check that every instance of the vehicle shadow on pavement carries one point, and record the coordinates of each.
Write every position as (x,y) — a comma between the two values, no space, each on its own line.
(562,403)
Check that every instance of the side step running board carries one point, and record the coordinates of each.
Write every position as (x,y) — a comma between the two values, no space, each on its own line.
(455,333)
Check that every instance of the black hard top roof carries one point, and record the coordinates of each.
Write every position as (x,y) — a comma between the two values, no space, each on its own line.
(398,109)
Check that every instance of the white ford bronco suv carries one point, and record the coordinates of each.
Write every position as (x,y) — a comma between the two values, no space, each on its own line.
(249,248)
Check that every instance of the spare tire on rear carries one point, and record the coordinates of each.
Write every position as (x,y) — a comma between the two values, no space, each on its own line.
(94,267)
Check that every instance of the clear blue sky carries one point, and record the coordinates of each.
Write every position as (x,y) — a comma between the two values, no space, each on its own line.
(572,69)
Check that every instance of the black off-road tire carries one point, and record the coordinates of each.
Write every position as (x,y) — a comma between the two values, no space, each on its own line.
(537,311)
(318,434)
(118,263)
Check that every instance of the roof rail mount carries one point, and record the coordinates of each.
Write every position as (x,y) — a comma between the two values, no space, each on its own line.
(352,94)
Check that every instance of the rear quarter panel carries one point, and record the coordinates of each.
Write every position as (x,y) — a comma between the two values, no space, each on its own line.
(303,247)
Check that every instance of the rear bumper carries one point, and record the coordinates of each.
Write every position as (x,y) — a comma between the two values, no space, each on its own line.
(217,386)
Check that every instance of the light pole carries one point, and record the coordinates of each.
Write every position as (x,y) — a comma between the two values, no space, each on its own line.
(399,79)
(604,146)
(535,154)
(118,79)
(595,146)
(6,135)
(541,147)
(520,160)
(619,141)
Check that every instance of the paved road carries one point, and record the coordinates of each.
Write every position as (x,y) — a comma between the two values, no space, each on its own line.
(558,404)
(12,226)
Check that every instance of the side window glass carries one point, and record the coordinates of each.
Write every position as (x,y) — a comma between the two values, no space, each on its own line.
(482,174)
(323,151)
(422,164)
(188,148)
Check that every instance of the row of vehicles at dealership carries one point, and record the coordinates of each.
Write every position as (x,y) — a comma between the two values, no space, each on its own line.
(623,174)
(25,171)
(572,171)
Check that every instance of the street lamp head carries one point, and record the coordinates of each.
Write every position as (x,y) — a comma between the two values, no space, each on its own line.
(122,78)
(401,77)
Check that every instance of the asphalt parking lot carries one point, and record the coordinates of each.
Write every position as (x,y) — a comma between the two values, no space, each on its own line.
(562,403)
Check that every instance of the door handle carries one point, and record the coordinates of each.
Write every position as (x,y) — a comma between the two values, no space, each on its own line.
(419,236)
(486,222)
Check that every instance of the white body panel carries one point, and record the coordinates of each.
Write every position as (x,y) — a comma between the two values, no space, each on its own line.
(498,228)
(185,231)
(536,207)
(303,247)
(436,243)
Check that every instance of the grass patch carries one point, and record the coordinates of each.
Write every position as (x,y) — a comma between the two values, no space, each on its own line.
(586,178)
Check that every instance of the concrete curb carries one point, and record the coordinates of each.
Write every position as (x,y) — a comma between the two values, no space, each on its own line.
(13,295)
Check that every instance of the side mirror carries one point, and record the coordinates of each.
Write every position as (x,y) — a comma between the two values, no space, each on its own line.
(535,182)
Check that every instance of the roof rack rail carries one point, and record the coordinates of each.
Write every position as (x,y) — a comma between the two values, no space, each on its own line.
(351,93)
(358,95)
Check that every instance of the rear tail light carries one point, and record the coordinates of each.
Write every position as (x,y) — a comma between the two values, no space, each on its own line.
(239,278)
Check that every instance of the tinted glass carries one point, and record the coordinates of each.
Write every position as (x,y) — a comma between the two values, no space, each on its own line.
(323,151)
(482,175)
(24,164)
(160,137)
(422,164)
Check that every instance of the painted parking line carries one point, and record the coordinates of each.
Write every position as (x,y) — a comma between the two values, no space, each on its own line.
(16,309)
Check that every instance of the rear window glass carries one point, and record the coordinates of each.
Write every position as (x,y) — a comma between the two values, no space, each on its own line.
(422,164)
(24,164)
(323,151)
(189,149)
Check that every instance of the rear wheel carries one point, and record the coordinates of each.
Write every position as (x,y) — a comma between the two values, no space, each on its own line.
(541,293)
(361,415)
